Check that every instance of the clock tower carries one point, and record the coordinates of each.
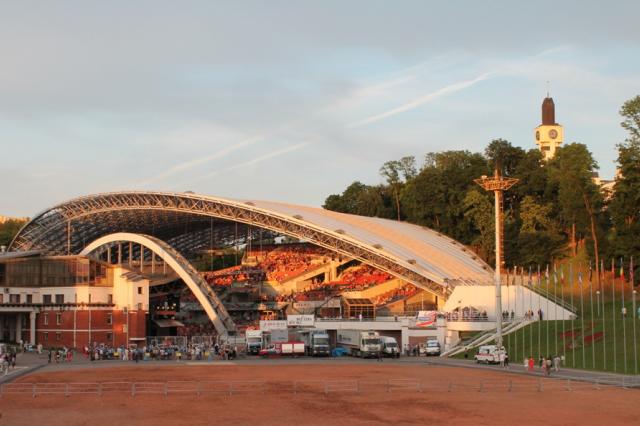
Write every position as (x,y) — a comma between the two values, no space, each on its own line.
(549,135)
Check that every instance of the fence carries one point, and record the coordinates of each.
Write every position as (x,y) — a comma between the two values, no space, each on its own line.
(312,387)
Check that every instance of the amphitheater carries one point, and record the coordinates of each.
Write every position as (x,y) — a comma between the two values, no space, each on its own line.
(88,255)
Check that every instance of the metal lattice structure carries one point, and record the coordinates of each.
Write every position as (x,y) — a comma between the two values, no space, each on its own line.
(199,287)
(187,221)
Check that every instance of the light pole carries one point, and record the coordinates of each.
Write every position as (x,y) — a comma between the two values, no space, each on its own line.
(498,185)
(598,301)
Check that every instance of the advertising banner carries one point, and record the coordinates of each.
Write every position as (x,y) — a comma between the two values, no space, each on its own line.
(426,319)
(301,320)
(268,325)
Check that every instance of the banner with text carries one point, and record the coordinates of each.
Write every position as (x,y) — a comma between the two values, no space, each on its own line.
(301,320)
(268,325)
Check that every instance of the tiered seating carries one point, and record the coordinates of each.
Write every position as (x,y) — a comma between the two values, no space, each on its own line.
(394,295)
(363,277)
(226,277)
(285,261)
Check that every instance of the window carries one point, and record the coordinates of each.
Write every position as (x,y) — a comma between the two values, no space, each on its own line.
(45,319)
(110,299)
(58,318)
(45,336)
(109,336)
(109,318)
(139,290)
(139,306)
(46,299)
(1,298)
(58,336)
(14,298)
(59,299)
(29,298)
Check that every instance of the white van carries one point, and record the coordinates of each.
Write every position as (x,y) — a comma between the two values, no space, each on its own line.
(389,347)
(432,348)
(489,354)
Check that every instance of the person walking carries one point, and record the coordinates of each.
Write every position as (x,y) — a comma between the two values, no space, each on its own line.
(531,364)
(548,363)
(556,363)
(506,360)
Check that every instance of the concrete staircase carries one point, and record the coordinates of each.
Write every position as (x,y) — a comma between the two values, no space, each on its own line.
(486,337)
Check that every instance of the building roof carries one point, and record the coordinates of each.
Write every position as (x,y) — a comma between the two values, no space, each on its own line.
(187,221)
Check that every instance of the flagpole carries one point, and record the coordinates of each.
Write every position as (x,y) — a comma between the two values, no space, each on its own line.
(624,318)
(523,316)
(555,309)
(613,307)
(573,340)
(634,316)
(539,312)
(604,333)
(547,312)
(581,284)
(531,308)
(593,324)
(508,304)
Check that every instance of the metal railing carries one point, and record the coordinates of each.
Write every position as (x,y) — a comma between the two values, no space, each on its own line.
(314,387)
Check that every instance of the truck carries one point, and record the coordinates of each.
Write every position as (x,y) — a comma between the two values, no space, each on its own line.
(489,354)
(389,347)
(282,348)
(365,344)
(316,342)
(254,341)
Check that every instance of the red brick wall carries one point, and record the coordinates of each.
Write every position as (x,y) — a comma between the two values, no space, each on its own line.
(100,329)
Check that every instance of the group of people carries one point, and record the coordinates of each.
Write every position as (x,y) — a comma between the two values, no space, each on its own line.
(7,362)
(394,295)
(59,355)
(467,314)
(226,277)
(291,260)
(546,364)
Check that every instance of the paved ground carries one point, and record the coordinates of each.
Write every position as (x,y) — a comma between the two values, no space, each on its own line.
(449,395)
(31,362)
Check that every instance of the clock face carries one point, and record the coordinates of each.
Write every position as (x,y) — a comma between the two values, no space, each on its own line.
(553,133)
(538,135)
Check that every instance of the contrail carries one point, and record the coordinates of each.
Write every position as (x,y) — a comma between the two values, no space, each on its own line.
(253,161)
(452,88)
(192,163)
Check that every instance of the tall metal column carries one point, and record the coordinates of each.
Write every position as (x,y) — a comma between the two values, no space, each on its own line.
(498,185)
(32,327)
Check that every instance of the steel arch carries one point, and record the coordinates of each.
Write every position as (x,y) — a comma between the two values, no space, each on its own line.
(203,292)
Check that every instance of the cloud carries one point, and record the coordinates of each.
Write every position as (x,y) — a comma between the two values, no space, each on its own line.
(188,165)
(451,88)
(253,161)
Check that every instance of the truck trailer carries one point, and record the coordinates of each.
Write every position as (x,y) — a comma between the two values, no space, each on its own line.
(316,342)
(365,344)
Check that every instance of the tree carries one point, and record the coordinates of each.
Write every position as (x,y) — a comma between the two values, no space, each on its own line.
(478,210)
(623,206)
(391,171)
(630,111)
(579,198)
(504,154)
(535,217)
(10,229)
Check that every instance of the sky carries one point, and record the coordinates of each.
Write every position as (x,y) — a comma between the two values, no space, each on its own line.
(292,101)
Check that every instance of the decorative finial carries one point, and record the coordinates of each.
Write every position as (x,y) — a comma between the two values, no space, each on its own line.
(548,84)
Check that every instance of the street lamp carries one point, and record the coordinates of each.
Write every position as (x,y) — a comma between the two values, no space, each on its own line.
(598,301)
(498,185)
